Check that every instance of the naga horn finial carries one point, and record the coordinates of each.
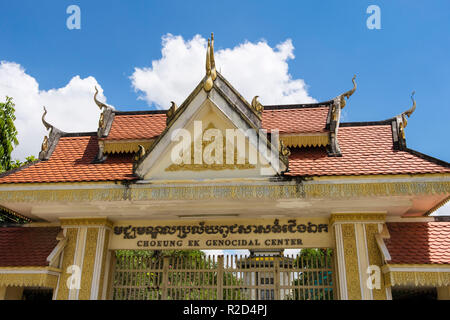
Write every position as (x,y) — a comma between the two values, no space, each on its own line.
(47,125)
(410,111)
(98,103)
(348,93)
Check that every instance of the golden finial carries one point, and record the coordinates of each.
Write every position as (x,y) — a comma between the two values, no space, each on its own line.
(47,125)
(98,103)
(44,146)
(410,111)
(348,93)
(208,81)
(140,153)
(257,106)
(171,112)
(213,63)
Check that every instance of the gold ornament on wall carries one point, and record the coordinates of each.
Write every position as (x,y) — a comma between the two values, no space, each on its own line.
(171,112)
(257,107)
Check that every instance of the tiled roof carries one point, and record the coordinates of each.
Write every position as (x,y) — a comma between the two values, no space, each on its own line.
(137,126)
(26,246)
(286,120)
(419,242)
(72,162)
(365,150)
(298,120)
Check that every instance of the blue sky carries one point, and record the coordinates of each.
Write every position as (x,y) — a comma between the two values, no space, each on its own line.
(331,40)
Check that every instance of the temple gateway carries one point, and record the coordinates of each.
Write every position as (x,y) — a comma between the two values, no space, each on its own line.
(219,172)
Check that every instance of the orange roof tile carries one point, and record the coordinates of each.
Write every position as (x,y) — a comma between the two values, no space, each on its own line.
(419,242)
(298,120)
(127,126)
(137,126)
(72,162)
(365,150)
(26,246)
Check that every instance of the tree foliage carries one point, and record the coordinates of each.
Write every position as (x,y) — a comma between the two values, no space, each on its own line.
(313,260)
(8,133)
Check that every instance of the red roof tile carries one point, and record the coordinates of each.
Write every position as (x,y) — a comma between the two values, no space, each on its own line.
(294,120)
(419,242)
(137,126)
(299,120)
(72,162)
(27,246)
(365,150)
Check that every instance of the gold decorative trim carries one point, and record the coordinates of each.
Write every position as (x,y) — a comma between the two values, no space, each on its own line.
(30,268)
(305,190)
(417,279)
(125,146)
(76,222)
(360,217)
(15,214)
(103,267)
(375,257)
(306,141)
(30,277)
(88,264)
(351,262)
(395,267)
(383,176)
(439,205)
(68,260)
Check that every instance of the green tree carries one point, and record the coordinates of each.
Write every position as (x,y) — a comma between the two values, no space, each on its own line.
(8,133)
(17,163)
(312,261)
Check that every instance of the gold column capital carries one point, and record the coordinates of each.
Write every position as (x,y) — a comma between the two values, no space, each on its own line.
(357,217)
(86,222)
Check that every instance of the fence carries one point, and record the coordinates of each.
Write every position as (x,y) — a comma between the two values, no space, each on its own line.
(229,277)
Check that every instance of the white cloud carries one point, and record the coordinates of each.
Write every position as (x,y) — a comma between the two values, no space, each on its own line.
(252,68)
(70,108)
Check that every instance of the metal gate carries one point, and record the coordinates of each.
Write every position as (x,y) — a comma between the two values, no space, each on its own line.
(229,277)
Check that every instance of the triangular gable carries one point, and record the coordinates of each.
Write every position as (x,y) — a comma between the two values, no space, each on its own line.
(220,108)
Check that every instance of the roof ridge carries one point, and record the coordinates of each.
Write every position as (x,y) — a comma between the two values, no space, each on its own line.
(78,134)
(268,107)
(7,173)
(367,123)
(427,157)
(298,106)
(139,112)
